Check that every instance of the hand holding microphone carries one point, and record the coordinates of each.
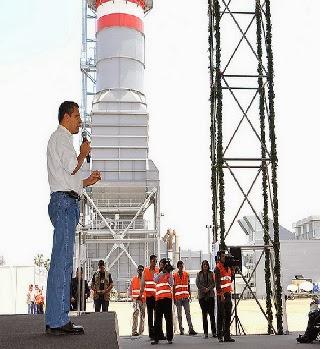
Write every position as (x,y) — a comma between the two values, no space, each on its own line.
(85,147)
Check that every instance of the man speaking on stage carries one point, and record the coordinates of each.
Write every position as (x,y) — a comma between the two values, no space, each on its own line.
(66,187)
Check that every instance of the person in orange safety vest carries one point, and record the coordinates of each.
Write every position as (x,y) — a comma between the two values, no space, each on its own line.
(148,288)
(182,296)
(223,278)
(139,303)
(164,283)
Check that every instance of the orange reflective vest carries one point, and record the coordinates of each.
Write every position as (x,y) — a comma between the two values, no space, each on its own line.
(135,289)
(149,284)
(181,285)
(163,289)
(39,299)
(225,279)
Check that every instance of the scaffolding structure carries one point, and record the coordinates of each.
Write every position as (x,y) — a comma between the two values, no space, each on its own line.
(120,216)
(243,141)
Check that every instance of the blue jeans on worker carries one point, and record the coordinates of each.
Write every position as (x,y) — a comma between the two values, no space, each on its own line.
(64,214)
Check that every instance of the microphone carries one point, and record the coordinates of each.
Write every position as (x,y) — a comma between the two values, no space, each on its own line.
(84,139)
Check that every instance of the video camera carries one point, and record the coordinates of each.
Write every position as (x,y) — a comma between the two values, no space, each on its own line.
(167,267)
(231,261)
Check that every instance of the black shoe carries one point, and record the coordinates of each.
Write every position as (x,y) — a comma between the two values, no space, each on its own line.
(169,341)
(229,339)
(154,342)
(303,339)
(206,335)
(192,333)
(69,328)
(135,334)
(214,335)
(181,333)
(220,339)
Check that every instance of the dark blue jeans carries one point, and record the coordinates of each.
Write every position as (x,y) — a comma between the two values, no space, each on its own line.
(64,214)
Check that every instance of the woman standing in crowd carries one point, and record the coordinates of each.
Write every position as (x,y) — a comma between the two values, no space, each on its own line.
(205,283)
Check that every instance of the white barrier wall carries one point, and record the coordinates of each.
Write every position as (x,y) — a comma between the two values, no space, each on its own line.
(15,281)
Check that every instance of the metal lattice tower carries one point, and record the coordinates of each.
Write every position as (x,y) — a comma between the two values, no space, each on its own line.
(243,141)
(114,226)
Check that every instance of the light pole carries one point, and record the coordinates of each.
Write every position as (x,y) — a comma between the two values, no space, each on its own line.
(209,228)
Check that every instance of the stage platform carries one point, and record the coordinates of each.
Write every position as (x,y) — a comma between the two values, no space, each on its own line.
(28,332)
(198,342)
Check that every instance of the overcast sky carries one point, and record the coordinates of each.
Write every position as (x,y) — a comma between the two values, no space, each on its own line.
(39,67)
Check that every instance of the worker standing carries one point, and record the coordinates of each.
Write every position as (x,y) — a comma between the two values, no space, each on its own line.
(148,287)
(164,283)
(139,303)
(182,296)
(223,278)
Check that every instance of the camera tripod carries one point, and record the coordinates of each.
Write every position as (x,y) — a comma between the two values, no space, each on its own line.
(238,325)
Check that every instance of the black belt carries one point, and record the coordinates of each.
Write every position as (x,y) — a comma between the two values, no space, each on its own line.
(71,194)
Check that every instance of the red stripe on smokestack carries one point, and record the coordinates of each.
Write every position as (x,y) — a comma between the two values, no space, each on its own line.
(138,2)
(120,20)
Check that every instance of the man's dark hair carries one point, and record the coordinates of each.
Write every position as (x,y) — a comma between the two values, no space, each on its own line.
(140,267)
(101,263)
(66,108)
(152,257)
(179,263)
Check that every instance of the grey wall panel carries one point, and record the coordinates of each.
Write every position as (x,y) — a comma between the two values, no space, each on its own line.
(119,141)
(108,130)
(125,106)
(120,42)
(120,73)
(133,153)
(121,165)
(138,131)
(132,165)
(115,119)
(114,130)
(101,165)
(104,153)
(297,257)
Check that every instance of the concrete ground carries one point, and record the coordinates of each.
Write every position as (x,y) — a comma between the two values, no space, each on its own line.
(249,314)
(242,342)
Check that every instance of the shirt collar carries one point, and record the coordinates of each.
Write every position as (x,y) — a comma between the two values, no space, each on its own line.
(63,129)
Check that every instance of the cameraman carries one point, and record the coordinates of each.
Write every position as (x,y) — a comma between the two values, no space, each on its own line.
(223,278)
(164,283)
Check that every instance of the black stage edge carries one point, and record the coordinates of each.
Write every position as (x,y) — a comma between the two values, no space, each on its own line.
(28,332)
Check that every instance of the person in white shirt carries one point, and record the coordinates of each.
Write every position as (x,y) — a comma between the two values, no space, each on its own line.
(66,187)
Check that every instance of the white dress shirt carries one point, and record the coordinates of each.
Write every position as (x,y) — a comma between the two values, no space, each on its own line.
(62,161)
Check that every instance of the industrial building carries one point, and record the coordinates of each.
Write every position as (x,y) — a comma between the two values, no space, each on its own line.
(307,228)
(298,255)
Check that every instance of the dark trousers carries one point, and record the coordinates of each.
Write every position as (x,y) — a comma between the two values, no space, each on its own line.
(74,305)
(101,303)
(163,308)
(207,308)
(224,315)
(151,307)
(39,308)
